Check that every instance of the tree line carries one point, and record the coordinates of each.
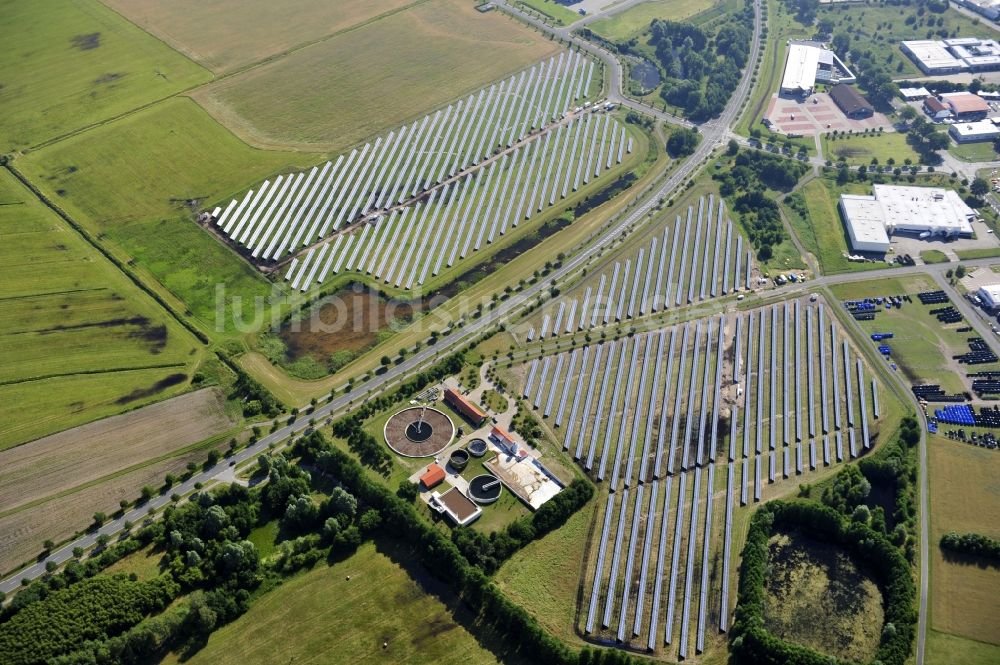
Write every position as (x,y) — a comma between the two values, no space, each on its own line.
(973,544)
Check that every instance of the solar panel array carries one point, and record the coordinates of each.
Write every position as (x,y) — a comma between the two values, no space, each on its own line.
(291,211)
(415,242)
(695,258)
(649,416)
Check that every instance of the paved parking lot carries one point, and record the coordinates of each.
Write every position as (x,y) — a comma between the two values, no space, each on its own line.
(816,115)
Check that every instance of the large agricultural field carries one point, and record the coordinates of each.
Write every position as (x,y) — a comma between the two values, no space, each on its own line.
(965,593)
(78,341)
(395,330)
(369,91)
(87,64)
(130,181)
(52,486)
(231,34)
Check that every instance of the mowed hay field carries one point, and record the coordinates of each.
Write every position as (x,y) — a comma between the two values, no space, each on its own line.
(964,497)
(130,180)
(68,63)
(335,93)
(632,21)
(226,34)
(322,617)
(78,341)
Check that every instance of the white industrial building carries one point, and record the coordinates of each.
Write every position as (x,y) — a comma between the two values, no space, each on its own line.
(809,62)
(951,56)
(974,132)
(892,209)
(990,295)
(988,8)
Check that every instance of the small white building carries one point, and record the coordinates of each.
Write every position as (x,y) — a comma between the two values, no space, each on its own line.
(974,132)
(929,212)
(990,295)
(914,94)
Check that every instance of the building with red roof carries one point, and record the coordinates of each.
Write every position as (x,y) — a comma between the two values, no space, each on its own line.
(433,477)
(464,407)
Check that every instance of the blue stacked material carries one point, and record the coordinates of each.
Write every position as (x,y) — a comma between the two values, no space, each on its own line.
(884,349)
(957,414)
(932,427)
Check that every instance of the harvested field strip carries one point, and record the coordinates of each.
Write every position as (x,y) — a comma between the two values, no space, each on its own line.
(655,435)
(70,512)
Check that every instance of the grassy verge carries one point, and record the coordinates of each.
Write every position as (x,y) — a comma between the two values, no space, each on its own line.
(934,256)
(556,13)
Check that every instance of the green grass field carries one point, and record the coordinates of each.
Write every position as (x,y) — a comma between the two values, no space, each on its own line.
(922,346)
(427,56)
(72,63)
(636,19)
(974,152)
(964,497)
(544,577)
(557,13)
(944,649)
(881,28)
(77,340)
(322,617)
(859,150)
(130,180)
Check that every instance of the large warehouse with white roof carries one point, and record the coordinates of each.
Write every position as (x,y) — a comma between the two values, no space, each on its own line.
(891,209)
(808,62)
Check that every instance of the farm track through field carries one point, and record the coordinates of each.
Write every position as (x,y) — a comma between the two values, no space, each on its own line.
(108,370)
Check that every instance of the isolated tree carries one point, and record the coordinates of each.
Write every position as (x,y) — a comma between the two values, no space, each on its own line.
(979,187)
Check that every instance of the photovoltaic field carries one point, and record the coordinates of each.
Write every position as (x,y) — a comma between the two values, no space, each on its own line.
(694,258)
(754,398)
(416,201)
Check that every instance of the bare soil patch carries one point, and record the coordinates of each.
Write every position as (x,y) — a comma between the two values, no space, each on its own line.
(87,453)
